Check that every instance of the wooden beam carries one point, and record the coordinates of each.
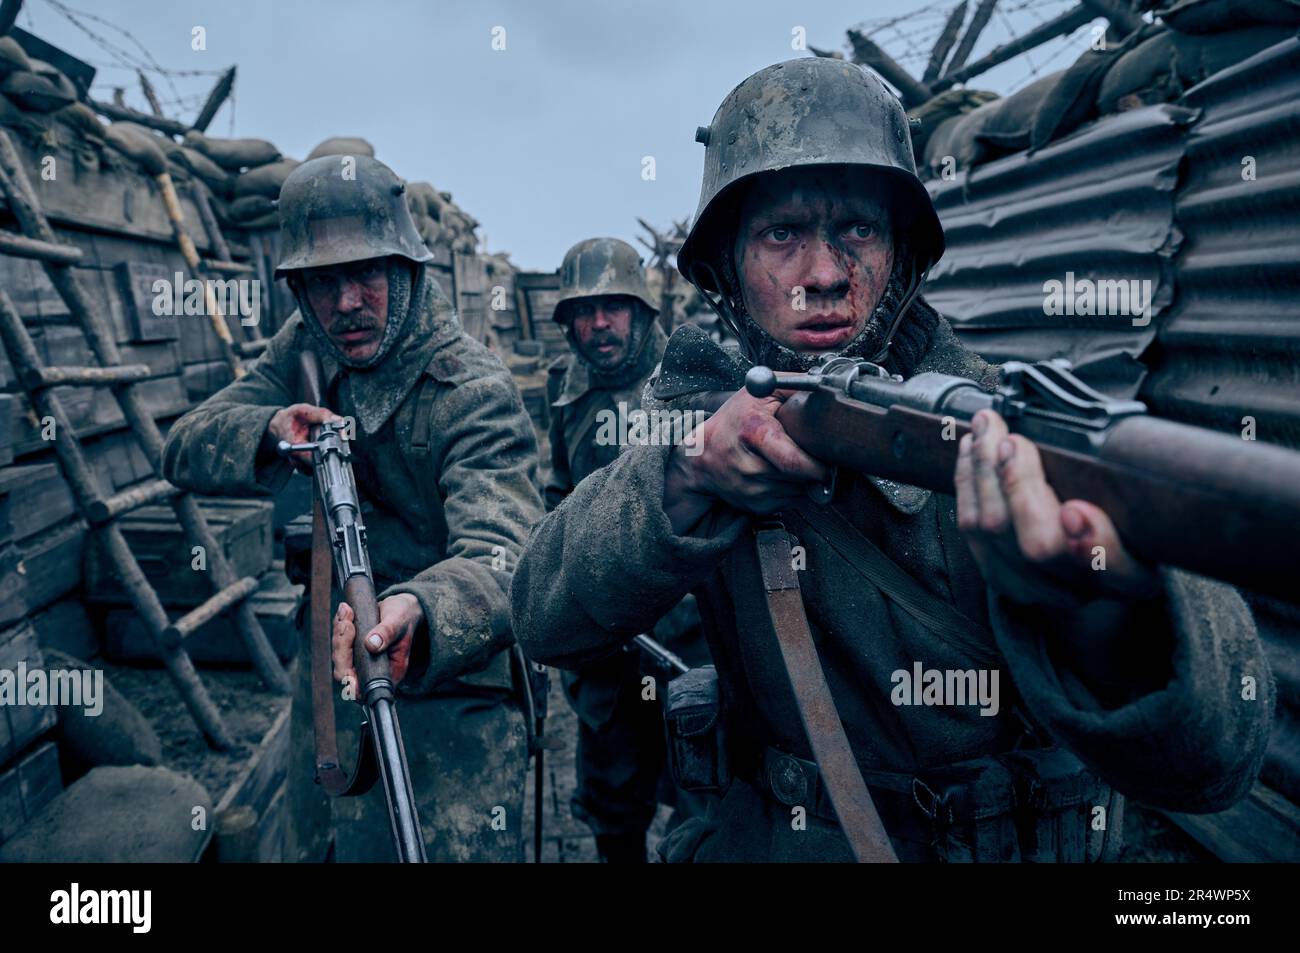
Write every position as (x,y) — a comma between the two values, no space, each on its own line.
(215,100)
(983,13)
(1060,26)
(943,45)
(147,87)
(125,113)
(867,53)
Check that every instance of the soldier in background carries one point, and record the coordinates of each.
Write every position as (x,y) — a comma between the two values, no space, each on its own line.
(609,322)
(445,462)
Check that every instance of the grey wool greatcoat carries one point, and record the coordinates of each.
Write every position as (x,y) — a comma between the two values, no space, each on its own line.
(447,525)
(1149,696)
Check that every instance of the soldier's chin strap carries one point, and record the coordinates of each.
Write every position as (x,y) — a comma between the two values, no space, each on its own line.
(913,289)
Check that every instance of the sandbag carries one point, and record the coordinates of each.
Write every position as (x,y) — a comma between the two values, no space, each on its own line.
(55,76)
(952,102)
(13,58)
(36,93)
(233,154)
(959,137)
(1222,16)
(343,146)
(1161,68)
(251,207)
(422,199)
(265,179)
(119,734)
(213,176)
(10,115)
(83,119)
(1010,120)
(138,144)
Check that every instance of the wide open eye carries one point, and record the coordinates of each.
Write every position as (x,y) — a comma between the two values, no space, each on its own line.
(864,231)
(779,233)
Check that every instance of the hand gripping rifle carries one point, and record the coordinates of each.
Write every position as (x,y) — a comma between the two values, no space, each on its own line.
(1180,495)
(339,536)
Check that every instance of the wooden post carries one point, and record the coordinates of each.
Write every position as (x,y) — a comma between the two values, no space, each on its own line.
(868,53)
(1060,26)
(118,112)
(944,44)
(983,13)
(215,99)
(149,94)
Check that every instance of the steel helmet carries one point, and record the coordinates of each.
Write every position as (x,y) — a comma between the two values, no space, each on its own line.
(807,112)
(337,209)
(600,266)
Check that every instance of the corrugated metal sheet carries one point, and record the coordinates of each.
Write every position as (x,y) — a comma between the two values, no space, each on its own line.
(1098,204)
(1160,193)
(1229,348)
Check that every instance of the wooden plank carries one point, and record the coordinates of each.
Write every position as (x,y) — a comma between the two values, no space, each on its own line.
(256,784)
(32,499)
(51,564)
(26,787)
(270,841)
(18,646)
(1262,827)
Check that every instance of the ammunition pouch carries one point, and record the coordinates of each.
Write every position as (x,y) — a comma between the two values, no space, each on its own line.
(697,750)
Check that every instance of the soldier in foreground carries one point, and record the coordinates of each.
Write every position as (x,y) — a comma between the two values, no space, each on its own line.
(609,322)
(812,237)
(445,461)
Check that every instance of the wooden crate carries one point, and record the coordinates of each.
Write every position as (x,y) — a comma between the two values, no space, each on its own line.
(243,527)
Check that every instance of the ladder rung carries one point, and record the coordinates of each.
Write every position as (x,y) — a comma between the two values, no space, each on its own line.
(21,246)
(101,511)
(37,377)
(229,267)
(213,606)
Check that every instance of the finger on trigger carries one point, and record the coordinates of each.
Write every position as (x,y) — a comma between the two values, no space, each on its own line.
(988,432)
(1035,510)
(968,510)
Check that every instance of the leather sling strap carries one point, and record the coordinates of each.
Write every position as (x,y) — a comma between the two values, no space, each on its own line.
(329,774)
(848,793)
(897,584)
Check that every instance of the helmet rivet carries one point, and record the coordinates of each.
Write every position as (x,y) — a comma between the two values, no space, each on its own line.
(731,139)
(702,135)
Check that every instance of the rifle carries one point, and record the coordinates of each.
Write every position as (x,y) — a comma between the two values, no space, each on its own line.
(1178,495)
(338,535)
(661,654)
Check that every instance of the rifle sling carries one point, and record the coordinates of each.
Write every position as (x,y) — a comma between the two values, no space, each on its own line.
(328,772)
(898,585)
(845,787)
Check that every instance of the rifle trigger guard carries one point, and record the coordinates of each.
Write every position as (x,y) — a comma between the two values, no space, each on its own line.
(823,493)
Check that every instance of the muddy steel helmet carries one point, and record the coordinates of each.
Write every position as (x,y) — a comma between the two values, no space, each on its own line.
(806,112)
(600,266)
(338,209)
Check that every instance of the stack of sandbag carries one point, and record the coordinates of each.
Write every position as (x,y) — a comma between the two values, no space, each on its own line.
(951,104)
(32,85)
(342,146)
(1202,17)
(1165,65)
(996,128)
(439,221)
(254,171)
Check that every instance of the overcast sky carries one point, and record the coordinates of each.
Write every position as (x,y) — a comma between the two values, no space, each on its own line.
(543,141)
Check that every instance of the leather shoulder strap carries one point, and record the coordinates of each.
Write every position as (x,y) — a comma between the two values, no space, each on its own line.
(420,435)
(897,584)
(821,722)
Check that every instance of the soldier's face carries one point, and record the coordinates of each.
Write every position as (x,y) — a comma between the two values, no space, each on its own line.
(813,254)
(351,303)
(602,326)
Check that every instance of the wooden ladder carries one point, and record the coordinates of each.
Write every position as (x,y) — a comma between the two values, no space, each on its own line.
(102,512)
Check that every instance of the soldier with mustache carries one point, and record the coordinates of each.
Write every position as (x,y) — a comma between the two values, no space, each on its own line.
(813,237)
(446,466)
(609,321)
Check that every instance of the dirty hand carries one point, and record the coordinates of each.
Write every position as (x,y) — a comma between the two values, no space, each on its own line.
(741,456)
(1029,546)
(399,618)
(294,423)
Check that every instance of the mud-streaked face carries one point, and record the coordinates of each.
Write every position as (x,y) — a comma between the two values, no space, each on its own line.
(602,326)
(814,252)
(351,303)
